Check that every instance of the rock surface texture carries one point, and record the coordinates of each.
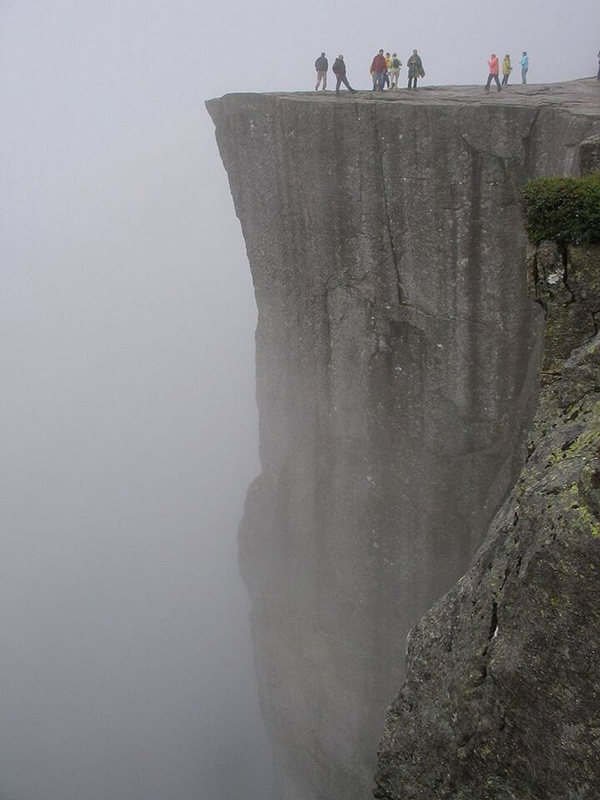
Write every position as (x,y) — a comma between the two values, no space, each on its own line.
(397,360)
(502,698)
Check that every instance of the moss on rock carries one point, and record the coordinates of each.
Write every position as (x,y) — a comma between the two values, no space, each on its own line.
(563,210)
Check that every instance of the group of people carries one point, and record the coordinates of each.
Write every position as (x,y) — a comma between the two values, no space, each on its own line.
(494,70)
(385,71)
(339,70)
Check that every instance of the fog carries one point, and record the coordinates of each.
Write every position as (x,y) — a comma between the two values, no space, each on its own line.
(127,404)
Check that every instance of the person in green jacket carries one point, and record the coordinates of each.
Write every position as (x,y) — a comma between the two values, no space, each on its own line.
(506,70)
(415,70)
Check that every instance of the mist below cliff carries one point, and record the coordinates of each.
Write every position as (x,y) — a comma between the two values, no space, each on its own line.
(128,431)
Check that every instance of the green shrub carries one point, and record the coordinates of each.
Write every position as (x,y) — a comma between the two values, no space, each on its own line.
(563,210)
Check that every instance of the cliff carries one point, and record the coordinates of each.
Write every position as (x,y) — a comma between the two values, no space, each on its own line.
(501,699)
(397,360)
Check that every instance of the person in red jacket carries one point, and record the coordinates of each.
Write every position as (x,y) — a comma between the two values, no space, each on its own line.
(494,66)
(378,70)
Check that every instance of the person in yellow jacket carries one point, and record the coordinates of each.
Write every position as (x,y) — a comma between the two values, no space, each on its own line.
(388,64)
(506,69)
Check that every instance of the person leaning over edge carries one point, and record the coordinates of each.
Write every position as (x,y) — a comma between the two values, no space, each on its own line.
(494,66)
(321,65)
(415,70)
(339,70)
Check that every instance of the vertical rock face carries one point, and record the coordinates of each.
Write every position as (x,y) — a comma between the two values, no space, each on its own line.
(501,699)
(396,371)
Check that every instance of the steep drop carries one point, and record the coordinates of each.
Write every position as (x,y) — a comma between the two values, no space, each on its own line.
(397,358)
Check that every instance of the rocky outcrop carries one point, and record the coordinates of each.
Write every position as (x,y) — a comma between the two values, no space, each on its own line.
(397,359)
(502,699)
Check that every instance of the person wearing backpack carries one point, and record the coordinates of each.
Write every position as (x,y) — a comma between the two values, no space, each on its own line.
(321,65)
(394,70)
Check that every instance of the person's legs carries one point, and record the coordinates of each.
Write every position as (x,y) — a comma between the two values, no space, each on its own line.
(497,79)
(337,86)
(410,80)
(505,79)
(347,85)
(489,80)
(319,77)
(524,75)
(324,81)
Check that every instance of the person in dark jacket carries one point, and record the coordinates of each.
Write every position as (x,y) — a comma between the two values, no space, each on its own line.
(415,69)
(378,71)
(321,65)
(339,70)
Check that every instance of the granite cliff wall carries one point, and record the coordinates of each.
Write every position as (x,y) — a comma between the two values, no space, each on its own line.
(397,360)
(501,699)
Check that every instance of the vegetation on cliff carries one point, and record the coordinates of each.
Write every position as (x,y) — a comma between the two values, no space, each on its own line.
(563,210)
(501,699)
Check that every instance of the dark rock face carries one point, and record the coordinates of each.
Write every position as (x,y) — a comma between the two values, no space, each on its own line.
(569,292)
(397,358)
(502,699)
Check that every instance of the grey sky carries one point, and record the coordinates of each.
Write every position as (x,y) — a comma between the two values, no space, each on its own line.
(127,410)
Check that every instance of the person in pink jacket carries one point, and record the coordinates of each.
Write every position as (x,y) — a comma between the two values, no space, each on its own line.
(494,66)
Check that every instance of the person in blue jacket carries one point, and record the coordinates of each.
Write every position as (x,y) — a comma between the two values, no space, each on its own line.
(524,66)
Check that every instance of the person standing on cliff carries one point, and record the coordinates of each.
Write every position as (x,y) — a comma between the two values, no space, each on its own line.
(506,70)
(321,65)
(494,66)
(524,66)
(395,70)
(415,70)
(378,70)
(388,66)
(339,70)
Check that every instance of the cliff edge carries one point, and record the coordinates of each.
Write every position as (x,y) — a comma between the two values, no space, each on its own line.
(397,363)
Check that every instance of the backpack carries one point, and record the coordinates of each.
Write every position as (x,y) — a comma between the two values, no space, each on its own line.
(395,63)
